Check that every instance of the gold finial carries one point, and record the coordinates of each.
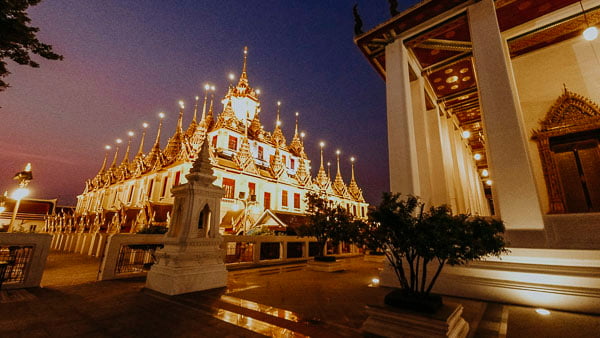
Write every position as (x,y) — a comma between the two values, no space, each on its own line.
(114,163)
(206,89)
(195,109)
(321,144)
(352,161)
(296,130)
(107,148)
(329,169)
(141,150)
(245,61)
(126,157)
(161,115)
(337,154)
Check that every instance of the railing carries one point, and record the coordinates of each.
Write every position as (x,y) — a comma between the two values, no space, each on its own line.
(22,259)
(14,261)
(136,258)
(128,255)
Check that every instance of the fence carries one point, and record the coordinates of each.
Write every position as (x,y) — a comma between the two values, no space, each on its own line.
(128,255)
(22,259)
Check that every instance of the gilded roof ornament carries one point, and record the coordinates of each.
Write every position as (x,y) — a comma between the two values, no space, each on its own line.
(570,109)
(278,138)
(338,184)
(175,144)
(353,188)
(322,180)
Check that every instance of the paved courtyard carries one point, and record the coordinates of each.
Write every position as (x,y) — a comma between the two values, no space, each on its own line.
(271,301)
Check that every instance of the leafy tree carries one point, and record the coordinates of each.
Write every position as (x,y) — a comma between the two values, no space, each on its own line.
(413,237)
(18,39)
(328,222)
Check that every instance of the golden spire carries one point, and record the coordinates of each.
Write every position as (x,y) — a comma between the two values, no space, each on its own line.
(321,144)
(338,183)
(278,137)
(107,147)
(244,76)
(141,150)
(161,115)
(296,129)
(353,188)
(114,162)
(209,117)
(126,157)
(195,109)
(322,179)
(206,88)
(328,169)
(180,120)
(278,121)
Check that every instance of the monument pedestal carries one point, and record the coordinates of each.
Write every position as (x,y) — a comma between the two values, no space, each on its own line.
(387,321)
(199,266)
(192,259)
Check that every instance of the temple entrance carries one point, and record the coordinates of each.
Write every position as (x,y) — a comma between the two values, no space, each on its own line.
(577,159)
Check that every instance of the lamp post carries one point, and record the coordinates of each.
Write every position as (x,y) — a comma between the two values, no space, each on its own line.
(23,177)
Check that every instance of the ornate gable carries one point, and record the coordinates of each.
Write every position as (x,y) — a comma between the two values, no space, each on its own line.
(570,110)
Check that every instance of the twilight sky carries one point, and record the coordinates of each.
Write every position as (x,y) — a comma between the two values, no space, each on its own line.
(124,61)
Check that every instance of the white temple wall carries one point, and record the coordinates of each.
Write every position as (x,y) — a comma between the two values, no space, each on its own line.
(540,76)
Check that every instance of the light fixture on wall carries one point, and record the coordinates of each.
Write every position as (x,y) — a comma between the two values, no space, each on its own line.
(591,32)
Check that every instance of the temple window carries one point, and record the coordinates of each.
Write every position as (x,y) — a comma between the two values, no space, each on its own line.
(251,189)
(214,141)
(261,153)
(150,187)
(232,143)
(354,210)
(292,163)
(177,178)
(164,187)
(296,201)
(229,187)
(284,198)
(267,200)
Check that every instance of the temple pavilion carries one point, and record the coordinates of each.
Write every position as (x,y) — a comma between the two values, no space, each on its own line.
(264,176)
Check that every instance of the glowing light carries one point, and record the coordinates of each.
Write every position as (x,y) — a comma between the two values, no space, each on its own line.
(543,312)
(206,86)
(107,147)
(329,164)
(321,144)
(485,173)
(161,115)
(337,152)
(466,134)
(258,91)
(118,141)
(212,88)
(28,167)
(477,157)
(591,33)
(197,97)
(231,76)
(279,103)
(488,182)
(130,133)
(452,79)
(375,281)
(352,159)
(181,104)
(278,123)
(302,134)
(297,114)
(145,125)
(19,193)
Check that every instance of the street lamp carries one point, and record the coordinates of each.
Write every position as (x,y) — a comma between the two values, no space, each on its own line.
(23,177)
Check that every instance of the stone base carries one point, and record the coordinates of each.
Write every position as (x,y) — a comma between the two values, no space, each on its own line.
(326,266)
(387,321)
(374,258)
(175,281)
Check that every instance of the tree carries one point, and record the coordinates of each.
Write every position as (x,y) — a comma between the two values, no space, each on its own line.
(18,39)
(414,239)
(327,222)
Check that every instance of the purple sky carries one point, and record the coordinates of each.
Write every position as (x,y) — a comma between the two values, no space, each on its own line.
(127,60)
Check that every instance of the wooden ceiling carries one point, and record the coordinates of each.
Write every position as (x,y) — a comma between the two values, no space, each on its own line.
(444,52)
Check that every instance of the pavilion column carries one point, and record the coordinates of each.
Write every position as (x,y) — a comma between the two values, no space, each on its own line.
(404,174)
(439,191)
(516,195)
(422,145)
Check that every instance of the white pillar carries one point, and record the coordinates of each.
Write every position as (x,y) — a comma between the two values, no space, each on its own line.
(404,174)
(421,138)
(517,199)
(439,191)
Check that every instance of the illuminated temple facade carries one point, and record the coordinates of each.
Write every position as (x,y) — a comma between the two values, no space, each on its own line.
(264,176)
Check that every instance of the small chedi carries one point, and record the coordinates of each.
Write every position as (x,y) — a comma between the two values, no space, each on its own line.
(192,259)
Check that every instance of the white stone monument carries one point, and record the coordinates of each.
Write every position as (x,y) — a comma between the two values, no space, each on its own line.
(192,259)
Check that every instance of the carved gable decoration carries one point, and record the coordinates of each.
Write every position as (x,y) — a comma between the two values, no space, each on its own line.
(570,110)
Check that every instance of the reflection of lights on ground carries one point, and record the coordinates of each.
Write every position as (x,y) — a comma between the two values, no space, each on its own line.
(374,282)
(273,311)
(543,312)
(254,325)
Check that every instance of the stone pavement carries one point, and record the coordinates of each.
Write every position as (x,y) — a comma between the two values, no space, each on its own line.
(282,301)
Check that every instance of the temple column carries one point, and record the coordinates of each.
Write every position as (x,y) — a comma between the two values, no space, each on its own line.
(517,199)
(439,194)
(421,138)
(404,173)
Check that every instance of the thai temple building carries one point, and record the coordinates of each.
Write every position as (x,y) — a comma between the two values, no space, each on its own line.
(265,176)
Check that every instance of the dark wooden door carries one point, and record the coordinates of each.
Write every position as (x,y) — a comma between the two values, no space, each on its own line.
(577,158)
